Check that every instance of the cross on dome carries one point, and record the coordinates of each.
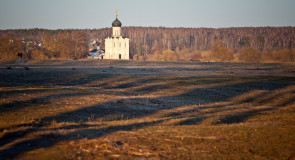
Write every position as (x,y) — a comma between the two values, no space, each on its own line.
(116,22)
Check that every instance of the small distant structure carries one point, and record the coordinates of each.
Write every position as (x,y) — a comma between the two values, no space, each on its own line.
(94,51)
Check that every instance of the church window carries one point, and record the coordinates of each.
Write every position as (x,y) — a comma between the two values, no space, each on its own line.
(114,44)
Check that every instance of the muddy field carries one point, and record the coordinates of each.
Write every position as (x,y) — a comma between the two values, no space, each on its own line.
(146,110)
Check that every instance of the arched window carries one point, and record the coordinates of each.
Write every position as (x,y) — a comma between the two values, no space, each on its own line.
(114,44)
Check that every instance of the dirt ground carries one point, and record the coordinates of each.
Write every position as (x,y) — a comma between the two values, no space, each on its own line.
(90,109)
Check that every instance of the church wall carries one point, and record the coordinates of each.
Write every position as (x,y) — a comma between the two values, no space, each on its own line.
(116,31)
(116,46)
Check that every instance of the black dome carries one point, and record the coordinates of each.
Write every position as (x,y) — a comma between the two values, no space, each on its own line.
(116,23)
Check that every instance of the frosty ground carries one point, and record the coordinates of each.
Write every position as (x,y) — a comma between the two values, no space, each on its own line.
(154,110)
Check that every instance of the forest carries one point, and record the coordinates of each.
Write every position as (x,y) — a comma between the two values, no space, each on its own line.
(243,44)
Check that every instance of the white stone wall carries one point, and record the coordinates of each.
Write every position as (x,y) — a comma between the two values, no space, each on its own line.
(116,48)
(116,31)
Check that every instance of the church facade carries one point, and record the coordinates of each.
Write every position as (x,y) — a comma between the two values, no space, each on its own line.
(116,47)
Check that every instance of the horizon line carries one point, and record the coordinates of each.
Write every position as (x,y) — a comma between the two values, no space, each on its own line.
(147,27)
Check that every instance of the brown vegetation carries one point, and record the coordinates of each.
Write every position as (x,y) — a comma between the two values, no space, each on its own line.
(9,47)
(147,110)
(248,44)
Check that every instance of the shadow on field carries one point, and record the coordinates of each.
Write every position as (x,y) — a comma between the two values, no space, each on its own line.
(241,117)
(13,106)
(130,108)
(48,140)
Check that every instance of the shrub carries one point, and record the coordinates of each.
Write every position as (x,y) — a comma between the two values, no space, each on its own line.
(249,55)
(220,53)
(9,47)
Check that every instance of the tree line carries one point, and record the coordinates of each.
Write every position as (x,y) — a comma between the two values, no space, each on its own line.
(246,44)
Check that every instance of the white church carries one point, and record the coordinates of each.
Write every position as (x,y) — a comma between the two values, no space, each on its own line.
(116,47)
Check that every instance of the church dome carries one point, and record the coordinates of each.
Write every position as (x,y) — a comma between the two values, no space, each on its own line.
(116,23)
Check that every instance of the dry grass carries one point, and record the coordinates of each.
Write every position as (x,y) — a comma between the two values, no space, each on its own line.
(147,110)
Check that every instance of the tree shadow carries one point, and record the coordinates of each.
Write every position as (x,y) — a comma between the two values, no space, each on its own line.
(49,76)
(133,83)
(4,94)
(12,106)
(192,121)
(130,108)
(198,114)
(47,140)
(241,117)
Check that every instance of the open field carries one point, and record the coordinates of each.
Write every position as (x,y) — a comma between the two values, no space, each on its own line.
(147,110)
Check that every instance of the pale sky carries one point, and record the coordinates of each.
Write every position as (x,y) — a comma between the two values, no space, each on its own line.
(81,14)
